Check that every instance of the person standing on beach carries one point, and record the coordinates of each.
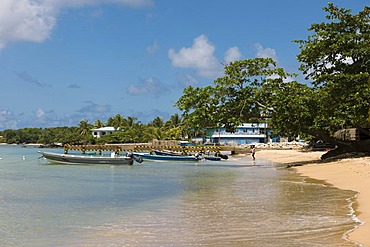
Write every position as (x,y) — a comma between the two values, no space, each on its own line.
(253,152)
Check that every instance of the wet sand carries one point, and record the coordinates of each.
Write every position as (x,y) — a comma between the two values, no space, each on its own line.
(348,174)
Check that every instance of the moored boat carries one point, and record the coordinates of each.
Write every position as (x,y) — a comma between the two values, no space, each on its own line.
(216,157)
(156,157)
(212,158)
(167,152)
(76,159)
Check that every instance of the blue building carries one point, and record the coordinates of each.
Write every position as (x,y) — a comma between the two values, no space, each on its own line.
(244,134)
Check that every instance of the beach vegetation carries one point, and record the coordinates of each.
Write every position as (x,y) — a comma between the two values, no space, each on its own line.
(129,130)
(335,60)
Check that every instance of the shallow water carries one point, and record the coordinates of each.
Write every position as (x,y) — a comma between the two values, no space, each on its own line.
(230,203)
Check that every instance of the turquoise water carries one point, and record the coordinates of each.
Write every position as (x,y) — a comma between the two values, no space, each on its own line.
(230,203)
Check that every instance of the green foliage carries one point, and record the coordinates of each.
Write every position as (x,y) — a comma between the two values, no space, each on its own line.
(234,99)
(130,131)
(98,124)
(199,106)
(85,128)
(157,122)
(336,57)
(44,136)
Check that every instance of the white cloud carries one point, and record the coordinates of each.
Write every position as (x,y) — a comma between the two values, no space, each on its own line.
(7,120)
(92,107)
(34,20)
(270,53)
(265,52)
(152,48)
(149,86)
(79,3)
(25,20)
(40,113)
(26,77)
(232,54)
(199,56)
(186,80)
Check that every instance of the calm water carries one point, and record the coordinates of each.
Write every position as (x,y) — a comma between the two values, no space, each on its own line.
(230,203)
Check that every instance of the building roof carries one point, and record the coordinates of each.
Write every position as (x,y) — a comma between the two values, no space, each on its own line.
(216,135)
(105,129)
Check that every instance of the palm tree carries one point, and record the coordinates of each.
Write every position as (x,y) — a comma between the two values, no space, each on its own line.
(174,127)
(157,122)
(84,129)
(118,121)
(159,134)
(174,121)
(98,124)
(130,121)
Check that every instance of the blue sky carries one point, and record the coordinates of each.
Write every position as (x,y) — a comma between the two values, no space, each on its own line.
(62,61)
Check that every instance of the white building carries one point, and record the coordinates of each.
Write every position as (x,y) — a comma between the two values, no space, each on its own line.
(103,131)
(244,134)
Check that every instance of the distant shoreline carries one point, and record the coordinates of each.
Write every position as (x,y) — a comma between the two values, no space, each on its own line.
(347,174)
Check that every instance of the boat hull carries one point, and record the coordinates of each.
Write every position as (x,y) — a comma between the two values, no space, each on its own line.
(213,158)
(155,157)
(72,159)
(169,153)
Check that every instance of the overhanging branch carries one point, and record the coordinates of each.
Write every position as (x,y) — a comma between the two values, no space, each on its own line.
(266,107)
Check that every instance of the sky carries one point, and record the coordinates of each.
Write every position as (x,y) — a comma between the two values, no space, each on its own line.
(63,61)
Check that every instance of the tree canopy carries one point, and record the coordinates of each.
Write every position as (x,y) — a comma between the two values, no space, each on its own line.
(128,130)
(336,57)
(336,61)
(234,98)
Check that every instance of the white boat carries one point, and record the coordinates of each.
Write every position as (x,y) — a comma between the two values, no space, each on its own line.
(80,159)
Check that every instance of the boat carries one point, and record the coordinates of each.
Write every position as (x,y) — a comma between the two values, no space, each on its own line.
(171,153)
(212,158)
(167,152)
(80,159)
(217,157)
(156,157)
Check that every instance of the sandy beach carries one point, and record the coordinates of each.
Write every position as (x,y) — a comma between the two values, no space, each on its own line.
(347,174)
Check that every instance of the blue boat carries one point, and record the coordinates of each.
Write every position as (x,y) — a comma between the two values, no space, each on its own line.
(156,157)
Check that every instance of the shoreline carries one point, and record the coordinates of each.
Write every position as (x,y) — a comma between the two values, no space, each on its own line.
(346,174)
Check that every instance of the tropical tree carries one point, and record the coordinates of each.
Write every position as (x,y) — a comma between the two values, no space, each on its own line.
(159,134)
(84,128)
(11,136)
(130,121)
(174,127)
(98,124)
(157,122)
(174,121)
(118,121)
(234,99)
(130,135)
(336,57)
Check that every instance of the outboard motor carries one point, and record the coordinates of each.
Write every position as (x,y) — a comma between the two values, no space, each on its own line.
(138,159)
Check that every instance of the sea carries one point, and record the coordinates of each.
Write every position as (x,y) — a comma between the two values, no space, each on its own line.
(235,202)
